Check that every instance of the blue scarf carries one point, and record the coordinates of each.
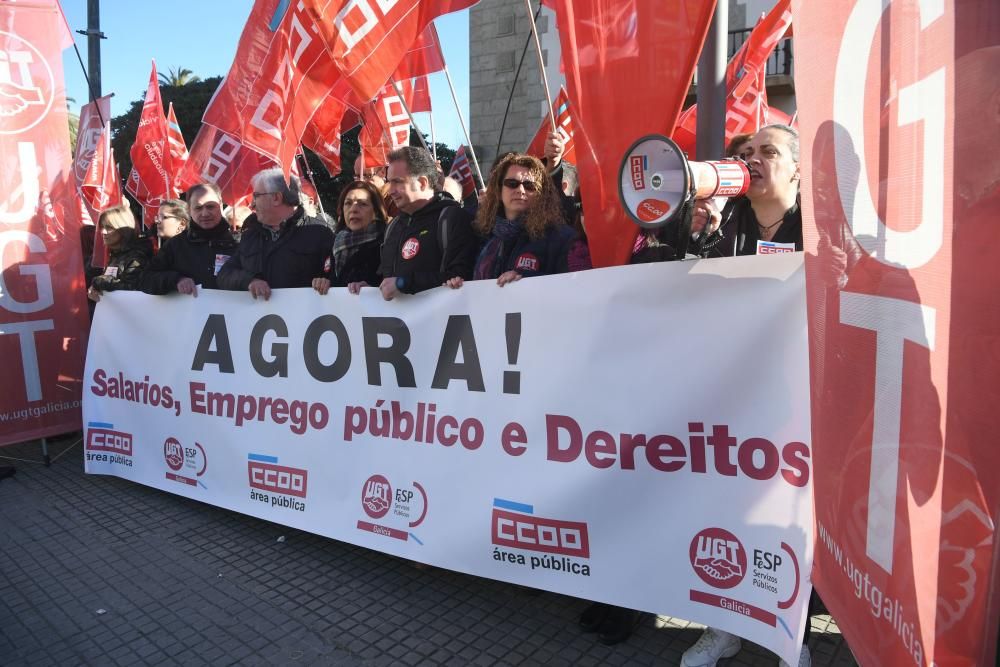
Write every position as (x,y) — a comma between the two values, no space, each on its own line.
(493,256)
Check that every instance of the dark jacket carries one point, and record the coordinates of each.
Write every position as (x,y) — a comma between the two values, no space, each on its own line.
(739,230)
(125,265)
(362,266)
(539,257)
(196,253)
(415,253)
(298,252)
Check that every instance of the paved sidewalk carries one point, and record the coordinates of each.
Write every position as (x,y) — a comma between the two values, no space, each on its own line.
(100,571)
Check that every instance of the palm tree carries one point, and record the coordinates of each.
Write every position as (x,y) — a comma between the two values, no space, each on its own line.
(179,77)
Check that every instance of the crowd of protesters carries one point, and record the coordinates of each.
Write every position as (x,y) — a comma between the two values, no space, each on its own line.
(404,231)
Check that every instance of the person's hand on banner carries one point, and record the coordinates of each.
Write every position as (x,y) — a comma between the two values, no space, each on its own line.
(389,288)
(355,288)
(187,286)
(508,277)
(705,217)
(259,288)
(321,285)
(94,294)
(454,283)
(554,147)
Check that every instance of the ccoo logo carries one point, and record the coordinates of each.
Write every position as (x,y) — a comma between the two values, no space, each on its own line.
(27,86)
(718,558)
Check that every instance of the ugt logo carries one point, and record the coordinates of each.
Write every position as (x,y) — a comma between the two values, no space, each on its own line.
(376,496)
(26,85)
(718,558)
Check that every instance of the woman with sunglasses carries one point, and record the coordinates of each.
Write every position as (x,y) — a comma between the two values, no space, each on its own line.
(521,220)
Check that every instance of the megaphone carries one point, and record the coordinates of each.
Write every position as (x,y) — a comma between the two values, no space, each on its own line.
(656,180)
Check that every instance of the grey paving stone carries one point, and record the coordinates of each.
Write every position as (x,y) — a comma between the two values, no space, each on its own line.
(71,544)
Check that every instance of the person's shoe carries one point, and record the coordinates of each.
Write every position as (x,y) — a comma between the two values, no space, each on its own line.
(712,646)
(7,471)
(618,626)
(805,659)
(593,616)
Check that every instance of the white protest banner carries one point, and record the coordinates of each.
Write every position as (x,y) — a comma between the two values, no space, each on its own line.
(634,435)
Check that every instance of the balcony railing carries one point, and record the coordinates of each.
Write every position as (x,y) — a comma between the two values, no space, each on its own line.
(780,61)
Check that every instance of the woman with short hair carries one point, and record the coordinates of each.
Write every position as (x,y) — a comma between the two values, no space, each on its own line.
(129,253)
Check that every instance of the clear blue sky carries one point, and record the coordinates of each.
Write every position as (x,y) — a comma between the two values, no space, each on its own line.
(202,36)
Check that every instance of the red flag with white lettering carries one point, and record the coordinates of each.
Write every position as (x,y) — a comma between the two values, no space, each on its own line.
(43,314)
(93,115)
(369,40)
(564,126)
(746,105)
(322,135)
(101,189)
(281,74)
(217,157)
(900,137)
(150,180)
(178,149)
(461,171)
(628,68)
(393,117)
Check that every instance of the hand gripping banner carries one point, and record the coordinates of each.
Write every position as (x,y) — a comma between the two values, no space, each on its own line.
(479,431)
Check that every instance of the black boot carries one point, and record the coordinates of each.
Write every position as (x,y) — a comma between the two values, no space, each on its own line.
(618,626)
(593,616)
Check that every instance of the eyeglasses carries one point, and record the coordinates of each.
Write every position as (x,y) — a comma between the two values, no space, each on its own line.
(261,194)
(514,184)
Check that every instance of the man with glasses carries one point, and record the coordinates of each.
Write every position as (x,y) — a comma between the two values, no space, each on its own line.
(430,242)
(194,257)
(284,247)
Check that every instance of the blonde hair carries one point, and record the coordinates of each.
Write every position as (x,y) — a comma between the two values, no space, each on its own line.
(116,217)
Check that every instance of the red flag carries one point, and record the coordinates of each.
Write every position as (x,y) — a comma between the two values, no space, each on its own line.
(423,57)
(368,41)
(43,314)
(461,171)
(746,105)
(564,126)
(417,94)
(322,135)
(150,180)
(101,189)
(392,116)
(93,115)
(217,157)
(178,149)
(899,209)
(617,95)
(281,74)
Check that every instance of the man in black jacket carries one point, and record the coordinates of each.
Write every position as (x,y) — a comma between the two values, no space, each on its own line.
(196,255)
(431,241)
(281,246)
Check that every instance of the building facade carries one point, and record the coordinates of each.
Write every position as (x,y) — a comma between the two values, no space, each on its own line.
(499,31)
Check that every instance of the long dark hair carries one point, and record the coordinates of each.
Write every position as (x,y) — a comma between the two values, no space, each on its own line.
(545,210)
(373,194)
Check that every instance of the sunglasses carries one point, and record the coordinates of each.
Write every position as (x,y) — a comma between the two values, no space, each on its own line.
(514,184)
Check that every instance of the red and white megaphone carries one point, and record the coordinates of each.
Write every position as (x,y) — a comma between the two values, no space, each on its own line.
(656,180)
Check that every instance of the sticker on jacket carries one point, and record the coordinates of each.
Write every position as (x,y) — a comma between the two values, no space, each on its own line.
(526,262)
(111,271)
(326,265)
(411,248)
(772,248)
(220,261)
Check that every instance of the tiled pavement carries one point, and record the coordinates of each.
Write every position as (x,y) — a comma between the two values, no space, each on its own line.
(100,571)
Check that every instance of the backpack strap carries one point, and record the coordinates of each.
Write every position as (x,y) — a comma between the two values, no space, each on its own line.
(443,235)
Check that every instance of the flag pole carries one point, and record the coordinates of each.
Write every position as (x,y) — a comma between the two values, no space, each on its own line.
(312,179)
(406,108)
(795,115)
(434,146)
(541,65)
(465,130)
